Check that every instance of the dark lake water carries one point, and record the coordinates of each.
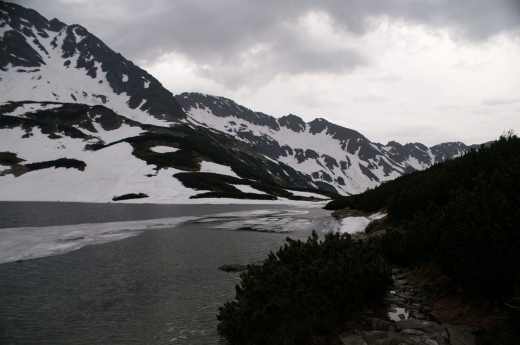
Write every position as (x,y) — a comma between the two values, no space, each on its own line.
(20,214)
(159,287)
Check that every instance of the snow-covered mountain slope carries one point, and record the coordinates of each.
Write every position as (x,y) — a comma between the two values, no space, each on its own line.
(75,152)
(336,158)
(80,122)
(43,60)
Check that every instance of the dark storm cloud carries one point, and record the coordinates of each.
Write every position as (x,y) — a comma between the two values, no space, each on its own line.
(218,36)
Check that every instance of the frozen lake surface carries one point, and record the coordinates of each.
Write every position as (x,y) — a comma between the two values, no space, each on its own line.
(151,278)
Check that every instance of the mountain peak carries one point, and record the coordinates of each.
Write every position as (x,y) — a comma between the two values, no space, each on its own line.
(68,63)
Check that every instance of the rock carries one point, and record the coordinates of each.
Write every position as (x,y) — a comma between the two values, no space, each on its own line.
(462,335)
(409,331)
(377,234)
(233,268)
(425,326)
(419,316)
(394,339)
(428,342)
(370,337)
(377,324)
(346,212)
(352,339)
(438,338)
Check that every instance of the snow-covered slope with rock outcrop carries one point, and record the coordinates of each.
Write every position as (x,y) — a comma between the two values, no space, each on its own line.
(43,60)
(336,158)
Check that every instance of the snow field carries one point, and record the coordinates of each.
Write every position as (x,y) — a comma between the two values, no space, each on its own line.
(56,82)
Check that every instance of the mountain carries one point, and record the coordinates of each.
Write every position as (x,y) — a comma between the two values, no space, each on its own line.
(45,60)
(337,158)
(79,122)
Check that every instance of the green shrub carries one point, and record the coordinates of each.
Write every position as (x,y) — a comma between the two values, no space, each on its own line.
(472,232)
(304,290)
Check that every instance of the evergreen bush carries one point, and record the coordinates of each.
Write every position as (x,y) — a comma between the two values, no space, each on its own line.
(303,290)
(472,231)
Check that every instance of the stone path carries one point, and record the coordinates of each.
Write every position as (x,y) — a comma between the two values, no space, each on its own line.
(407,301)
(412,322)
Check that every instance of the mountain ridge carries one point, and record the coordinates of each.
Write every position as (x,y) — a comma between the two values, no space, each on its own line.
(50,69)
(357,163)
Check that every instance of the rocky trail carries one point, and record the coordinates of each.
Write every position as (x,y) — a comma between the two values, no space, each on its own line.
(412,321)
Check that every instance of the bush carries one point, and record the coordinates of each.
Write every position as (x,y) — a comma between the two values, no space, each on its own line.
(304,290)
(472,232)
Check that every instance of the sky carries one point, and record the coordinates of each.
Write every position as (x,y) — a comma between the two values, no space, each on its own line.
(428,71)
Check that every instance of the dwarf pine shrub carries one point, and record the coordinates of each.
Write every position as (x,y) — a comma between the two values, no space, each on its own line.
(303,290)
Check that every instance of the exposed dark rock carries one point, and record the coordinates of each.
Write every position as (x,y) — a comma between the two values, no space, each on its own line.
(293,122)
(330,162)
(368,173)
(107,118)
(24,55)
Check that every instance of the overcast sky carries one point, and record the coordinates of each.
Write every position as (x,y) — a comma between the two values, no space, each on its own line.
(425,71)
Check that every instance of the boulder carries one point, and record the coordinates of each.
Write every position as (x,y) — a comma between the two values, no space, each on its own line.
(377,324)
(425,326)
(352,339)
(394,339)
(370,337)
(462,335)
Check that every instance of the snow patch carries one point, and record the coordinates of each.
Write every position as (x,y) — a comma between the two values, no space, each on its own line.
(217,169)
(351,225)
(247,189)
(32,107)
(307,194)
(163,149)
(377,216)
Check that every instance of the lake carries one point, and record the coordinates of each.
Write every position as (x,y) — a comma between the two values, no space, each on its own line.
(137,284)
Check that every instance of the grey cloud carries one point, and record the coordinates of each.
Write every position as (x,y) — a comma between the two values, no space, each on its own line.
(217,35)
(499,101)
